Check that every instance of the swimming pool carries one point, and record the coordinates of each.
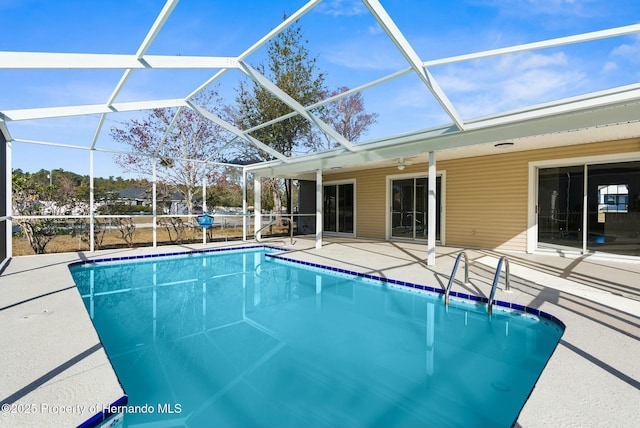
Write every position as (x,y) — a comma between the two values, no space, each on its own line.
(243,338)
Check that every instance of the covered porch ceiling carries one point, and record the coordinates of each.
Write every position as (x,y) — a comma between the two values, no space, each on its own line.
(600,115)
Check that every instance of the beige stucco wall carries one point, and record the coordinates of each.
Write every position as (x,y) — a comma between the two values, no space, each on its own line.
(486,197)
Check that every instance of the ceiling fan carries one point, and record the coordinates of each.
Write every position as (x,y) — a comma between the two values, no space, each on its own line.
(402,163)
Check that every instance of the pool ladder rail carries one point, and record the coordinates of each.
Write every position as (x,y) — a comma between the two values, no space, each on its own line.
(496,278)
(257,232)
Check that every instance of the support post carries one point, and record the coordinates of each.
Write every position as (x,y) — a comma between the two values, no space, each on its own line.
(257,202)
(244,204)
(319,221)
(585,210)
(92,206)
(9,199)
(154,199)
(204,207)
(431,214)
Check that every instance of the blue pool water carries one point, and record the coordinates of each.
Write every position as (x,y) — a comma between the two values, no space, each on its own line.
(239,338)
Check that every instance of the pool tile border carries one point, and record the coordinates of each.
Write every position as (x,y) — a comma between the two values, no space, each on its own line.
(101,418)
(175,253)
(473,298)
(458,294)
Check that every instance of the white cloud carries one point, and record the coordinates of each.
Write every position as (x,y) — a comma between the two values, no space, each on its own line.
(366,55)
(628,51)
(553,8)
(535,84)
(457,83)
(342,8)
(609,67)
(71,92)
(415,96)
(490,86)
(531,61)
(374,30)
(625,50)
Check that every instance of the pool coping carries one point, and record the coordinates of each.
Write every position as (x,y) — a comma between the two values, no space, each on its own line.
(591,377)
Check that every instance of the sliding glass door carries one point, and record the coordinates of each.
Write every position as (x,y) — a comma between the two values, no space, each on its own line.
(338,208)
(602,216)
(409,201)
(560,207)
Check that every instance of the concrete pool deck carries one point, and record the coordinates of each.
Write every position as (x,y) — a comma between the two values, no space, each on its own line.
(55,371)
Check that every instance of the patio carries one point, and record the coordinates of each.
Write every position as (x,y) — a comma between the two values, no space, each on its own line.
(592,379)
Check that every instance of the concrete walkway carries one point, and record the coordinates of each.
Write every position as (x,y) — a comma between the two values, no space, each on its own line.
(53,364)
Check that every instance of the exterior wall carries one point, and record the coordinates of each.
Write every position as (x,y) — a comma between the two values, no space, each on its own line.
(487,201)
(486,197)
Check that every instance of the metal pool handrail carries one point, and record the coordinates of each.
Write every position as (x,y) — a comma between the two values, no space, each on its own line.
(496,279)
(453,274)
(257,232)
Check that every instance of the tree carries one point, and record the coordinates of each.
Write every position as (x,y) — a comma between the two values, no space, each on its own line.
(347,115)
(26,201)
(291,67)
(126,227)
(225,192)
(47,192)
(193,137)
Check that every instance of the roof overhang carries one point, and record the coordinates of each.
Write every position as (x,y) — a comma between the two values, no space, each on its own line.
(603,122)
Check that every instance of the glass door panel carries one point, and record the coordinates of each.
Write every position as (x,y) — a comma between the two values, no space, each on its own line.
(402,207)
(329,210)
(613,196)
(560,207)
(409,213)
(345,208)
(339,207)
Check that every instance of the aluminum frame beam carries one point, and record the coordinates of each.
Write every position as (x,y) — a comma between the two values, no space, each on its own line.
(396,36)
(84,110)
(82,61)
(560,41)
(295,105)
(236,131)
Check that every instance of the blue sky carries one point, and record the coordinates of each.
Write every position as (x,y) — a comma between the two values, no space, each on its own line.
(349,45)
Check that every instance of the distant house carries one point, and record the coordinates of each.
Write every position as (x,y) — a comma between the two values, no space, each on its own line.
(133,196)
(167,202)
